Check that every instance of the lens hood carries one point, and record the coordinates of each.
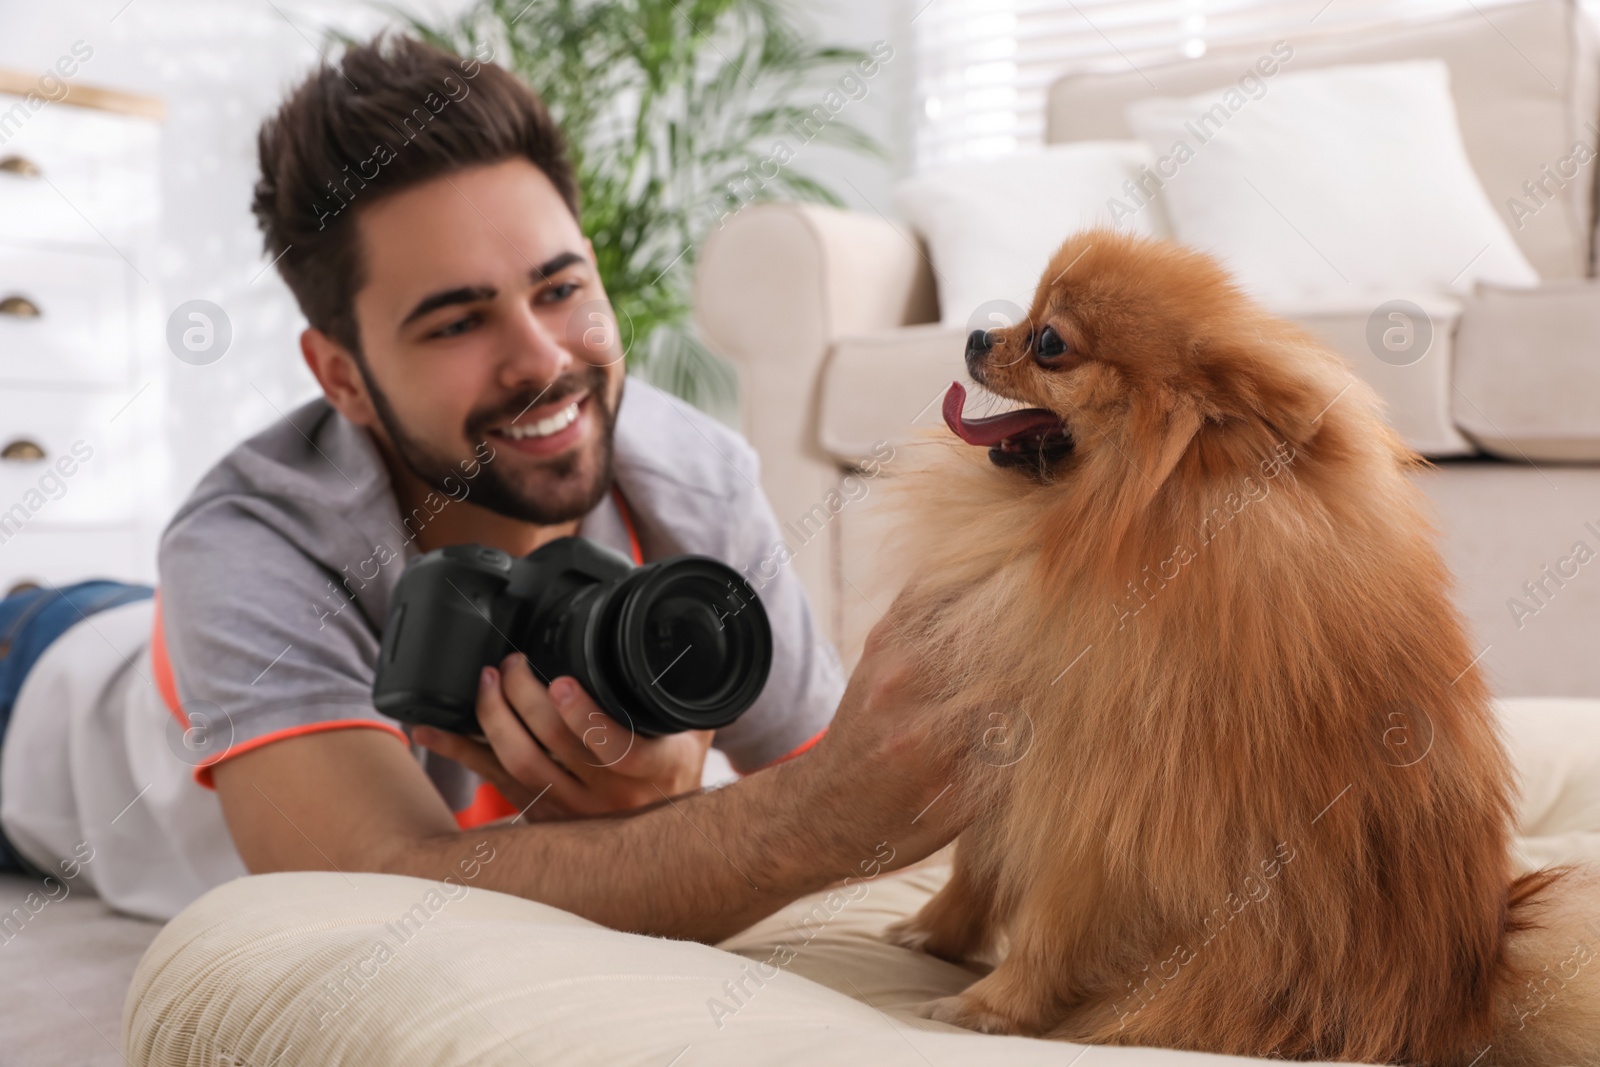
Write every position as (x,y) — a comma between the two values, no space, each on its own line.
(692,644)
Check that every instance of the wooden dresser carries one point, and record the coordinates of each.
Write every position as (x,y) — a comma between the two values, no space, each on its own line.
(82,348)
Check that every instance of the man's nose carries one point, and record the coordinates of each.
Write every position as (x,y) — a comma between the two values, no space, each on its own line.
(533,353)
(978,344)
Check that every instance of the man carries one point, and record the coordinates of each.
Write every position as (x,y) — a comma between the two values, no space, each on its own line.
(422,211)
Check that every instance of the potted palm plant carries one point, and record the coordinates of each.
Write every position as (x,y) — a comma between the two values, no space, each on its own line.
(676,112)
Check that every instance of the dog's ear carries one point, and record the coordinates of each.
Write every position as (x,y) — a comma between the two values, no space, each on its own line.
(1181,418)
(1251,392)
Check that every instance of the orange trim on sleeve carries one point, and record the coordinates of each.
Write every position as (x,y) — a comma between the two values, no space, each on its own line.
(161,667)
(488,804)
(627,520)
(202,773)
(804,746)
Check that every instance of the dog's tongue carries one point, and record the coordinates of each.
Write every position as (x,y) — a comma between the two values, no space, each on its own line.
(996,428)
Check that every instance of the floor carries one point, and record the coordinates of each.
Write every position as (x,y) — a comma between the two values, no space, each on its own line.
(65,965)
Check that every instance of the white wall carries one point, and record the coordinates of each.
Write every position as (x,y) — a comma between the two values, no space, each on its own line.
(222,66)
(886,112)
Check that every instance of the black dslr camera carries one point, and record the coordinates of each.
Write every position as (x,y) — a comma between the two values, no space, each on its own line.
(679,644)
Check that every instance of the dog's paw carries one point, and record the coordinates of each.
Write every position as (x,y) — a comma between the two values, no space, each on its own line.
(969,1013)
(907,934)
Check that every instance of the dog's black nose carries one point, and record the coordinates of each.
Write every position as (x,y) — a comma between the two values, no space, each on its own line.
(978,344)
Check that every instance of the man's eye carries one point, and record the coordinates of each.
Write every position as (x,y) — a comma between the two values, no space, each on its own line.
(456,328)
(557,293)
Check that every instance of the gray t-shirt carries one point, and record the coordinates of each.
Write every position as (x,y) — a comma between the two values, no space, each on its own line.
(277,572)
(261,641)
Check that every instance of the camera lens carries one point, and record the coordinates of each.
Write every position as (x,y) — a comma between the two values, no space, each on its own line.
(693,643)
(681,631)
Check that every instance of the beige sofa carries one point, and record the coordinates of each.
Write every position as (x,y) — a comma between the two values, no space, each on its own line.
(832,319)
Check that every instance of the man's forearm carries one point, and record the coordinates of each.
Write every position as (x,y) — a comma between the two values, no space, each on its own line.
(703,866)
(700,867)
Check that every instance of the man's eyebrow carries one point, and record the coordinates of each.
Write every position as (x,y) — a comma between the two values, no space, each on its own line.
(471,294)
(467,294)
(558,263)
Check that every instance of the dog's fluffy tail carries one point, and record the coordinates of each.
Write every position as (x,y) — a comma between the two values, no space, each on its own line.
(1550,1014)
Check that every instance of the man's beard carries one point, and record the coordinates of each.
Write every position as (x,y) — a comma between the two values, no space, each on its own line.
(492,491)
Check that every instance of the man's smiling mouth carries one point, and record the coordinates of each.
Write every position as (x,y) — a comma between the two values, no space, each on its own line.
(548,429)
(545,427)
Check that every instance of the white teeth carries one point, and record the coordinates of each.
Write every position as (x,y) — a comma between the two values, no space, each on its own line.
(546,426)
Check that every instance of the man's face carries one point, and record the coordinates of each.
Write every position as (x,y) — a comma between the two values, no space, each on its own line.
(483,320)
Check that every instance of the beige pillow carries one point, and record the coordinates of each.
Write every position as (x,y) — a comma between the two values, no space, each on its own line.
(1528,371)
(283,969)
(323,969)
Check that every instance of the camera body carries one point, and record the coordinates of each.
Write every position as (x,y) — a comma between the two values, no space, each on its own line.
(678,644)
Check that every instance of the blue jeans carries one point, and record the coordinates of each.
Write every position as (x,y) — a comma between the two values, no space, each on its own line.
(29,622)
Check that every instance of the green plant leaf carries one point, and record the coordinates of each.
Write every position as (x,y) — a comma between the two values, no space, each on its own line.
(673,110)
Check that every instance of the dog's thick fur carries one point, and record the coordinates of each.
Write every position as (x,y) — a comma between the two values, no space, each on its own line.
(1260,805)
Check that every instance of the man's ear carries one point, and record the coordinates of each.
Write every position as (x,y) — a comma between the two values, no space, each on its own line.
(336,371)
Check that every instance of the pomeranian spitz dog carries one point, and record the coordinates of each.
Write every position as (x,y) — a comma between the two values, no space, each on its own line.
(1255,801)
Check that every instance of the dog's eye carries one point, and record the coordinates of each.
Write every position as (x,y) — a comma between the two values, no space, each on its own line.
(1049,345)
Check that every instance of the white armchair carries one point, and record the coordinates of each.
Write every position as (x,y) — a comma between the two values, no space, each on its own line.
(779,288)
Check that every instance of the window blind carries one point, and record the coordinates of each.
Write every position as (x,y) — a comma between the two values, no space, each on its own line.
(984,65)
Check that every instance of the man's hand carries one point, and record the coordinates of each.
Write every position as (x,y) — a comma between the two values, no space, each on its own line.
(892,768)
(554,749)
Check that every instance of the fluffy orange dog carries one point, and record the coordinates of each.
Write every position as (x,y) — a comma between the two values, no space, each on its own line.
(1260,806)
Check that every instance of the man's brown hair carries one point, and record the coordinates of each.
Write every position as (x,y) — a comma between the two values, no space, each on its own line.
(389,114)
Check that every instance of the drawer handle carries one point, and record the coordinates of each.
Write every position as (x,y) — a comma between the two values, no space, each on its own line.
(21,166)
(22,450)
(19,307)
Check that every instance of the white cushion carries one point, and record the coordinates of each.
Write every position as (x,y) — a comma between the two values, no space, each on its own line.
(288,968)
(1554,745)
(1341,180)
(1528,372)
(991,225)
(1524,76)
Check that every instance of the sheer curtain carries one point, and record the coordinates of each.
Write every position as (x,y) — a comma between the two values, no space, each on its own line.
(984,65)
